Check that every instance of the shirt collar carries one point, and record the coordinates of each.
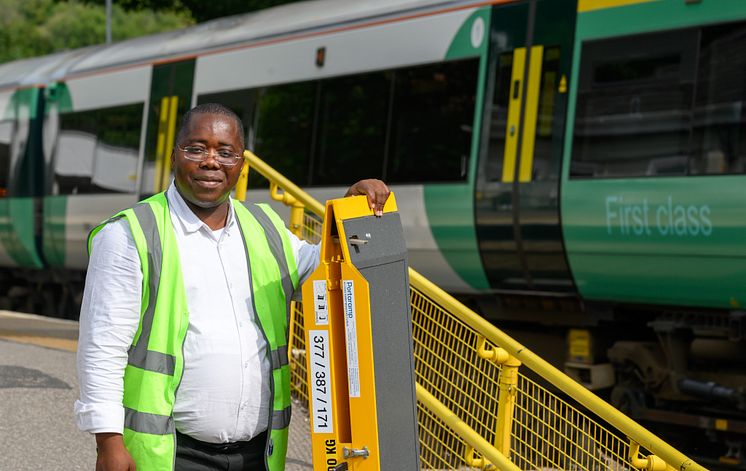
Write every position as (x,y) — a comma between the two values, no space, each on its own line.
(189,220)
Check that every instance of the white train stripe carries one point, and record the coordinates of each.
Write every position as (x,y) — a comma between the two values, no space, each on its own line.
(357,51)
(424,254)
(95,91)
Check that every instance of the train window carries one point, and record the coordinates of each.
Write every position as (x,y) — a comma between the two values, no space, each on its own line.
(405,125)
(431,124)
(97,151)
(719,135)
(6,141)
(633,113)
(242,102)
(284,125)
(351,121)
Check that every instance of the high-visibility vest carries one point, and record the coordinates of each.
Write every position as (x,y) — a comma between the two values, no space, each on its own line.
(155,361)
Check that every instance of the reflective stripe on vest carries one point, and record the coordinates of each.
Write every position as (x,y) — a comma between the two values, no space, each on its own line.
(143,422)
(139,355)
(281,418)
(279,356)
(275,245)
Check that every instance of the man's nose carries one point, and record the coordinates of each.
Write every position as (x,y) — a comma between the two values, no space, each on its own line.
(210,161)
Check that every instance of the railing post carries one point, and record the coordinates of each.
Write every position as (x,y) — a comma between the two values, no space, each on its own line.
(506,404)
(508,390)
(297,211)
(243,182)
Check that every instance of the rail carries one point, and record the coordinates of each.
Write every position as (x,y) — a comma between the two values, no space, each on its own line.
(476,408)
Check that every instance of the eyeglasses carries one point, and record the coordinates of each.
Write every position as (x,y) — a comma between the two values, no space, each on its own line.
(199,154)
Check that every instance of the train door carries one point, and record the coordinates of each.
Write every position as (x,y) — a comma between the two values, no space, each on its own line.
(170,98)
(517,197)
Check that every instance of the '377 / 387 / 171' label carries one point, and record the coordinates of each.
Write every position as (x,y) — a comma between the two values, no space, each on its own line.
(320,385)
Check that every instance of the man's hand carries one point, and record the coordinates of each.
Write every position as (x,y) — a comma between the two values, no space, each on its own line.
(376,191)
(112,455)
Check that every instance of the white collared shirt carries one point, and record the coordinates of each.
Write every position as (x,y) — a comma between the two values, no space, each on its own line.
(224,393)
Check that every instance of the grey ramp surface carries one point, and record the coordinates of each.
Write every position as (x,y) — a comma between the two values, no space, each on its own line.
(382,261)
(38,387)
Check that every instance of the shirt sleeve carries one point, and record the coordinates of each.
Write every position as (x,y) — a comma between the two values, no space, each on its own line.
(306,257)
(109,316)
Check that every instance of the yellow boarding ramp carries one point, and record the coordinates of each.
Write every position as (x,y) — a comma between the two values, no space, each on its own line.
(359,351)
(476,407)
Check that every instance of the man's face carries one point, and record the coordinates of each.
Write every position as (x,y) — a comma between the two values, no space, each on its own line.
(207,184)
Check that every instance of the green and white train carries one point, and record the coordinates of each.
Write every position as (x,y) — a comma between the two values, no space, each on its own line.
(573,169)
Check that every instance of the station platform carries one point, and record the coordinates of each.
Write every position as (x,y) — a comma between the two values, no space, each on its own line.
(38,387)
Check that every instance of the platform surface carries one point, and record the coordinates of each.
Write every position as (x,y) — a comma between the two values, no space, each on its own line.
(38,387)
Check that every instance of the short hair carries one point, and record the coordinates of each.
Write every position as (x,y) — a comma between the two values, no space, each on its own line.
(210,108)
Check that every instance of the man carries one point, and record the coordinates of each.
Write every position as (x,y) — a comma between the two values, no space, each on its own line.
(182,358)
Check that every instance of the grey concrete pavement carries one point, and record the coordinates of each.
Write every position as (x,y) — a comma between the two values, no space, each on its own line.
(37,429)
(38,387)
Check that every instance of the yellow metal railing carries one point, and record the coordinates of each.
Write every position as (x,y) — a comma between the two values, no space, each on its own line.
(476,408)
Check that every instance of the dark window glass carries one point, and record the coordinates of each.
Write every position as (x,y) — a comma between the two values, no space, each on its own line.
(351,135)
(633,114)
(284,126)
(404,125)
(97,151)
(719,134)
(242,102)
(493,162)
(6,141)
(432,122)
(547,151)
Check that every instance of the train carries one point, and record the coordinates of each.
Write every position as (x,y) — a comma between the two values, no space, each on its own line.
(571,169)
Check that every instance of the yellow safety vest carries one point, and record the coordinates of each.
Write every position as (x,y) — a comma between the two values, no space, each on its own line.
(155,361)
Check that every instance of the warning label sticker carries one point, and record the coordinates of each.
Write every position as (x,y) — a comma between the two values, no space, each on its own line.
(320,305)
(353,371)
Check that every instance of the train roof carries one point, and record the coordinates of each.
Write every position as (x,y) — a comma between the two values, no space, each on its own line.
(271,23)
(263,25)
(38,70)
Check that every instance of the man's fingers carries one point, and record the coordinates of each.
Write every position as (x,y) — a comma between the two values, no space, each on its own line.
(375,191)
(378,209)
(377,197)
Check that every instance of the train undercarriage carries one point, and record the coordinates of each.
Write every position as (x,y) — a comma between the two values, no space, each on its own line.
(49,292)
(681,372)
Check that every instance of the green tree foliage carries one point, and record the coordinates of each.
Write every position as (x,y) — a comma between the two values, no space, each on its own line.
(38,27)
(201,10)
(173,5)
